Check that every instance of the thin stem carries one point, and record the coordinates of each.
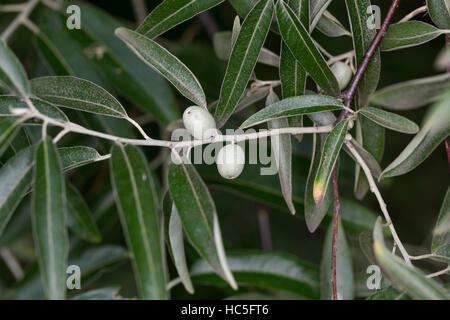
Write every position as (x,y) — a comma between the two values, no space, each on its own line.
(12,263)
(438,273)
(59,136)
(12,7)
(414,13)
(374,189)
(423,256)
(139,128)
(334,246)
(343,56)
(353,87)
(30,5)
(73,127)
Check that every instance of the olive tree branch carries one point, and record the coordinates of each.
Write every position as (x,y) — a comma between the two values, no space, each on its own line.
(414,13)
(334,247)
(21,17)
(350,93)
(382,204)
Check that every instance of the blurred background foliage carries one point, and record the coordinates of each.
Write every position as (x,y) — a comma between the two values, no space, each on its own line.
(414,199)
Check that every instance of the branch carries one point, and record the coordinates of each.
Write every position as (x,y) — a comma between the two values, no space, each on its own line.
(334,247)
(140,10)
(349,95)
(374,189)
(414,13)
(29,6)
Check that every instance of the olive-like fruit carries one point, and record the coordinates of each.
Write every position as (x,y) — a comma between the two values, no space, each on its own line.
(230,161)
(199,122)
(343,73)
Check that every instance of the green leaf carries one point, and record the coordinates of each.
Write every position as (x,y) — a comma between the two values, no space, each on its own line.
(330,26)
(73,157)
(243,58)
(49,220)
(199,217)
(165,63)
(371,138)
(317,8)
(80,219)
(292,107)
(9,127)
(412,94)
(282,150)
(15,179)
(302,47)
(368,158)
(79,94)
(269,270)
(108,293)
(390,120)
(439,11)
(51,55)
(12,74)
(408,34)
(331,150)
(314,213)
(435,129)
(138,203)
(388,293)
(362,38)
(344,269)
(441,232)
(403,276)
(177,246)
(171,13)
(125,70)
(223,44)
(243,7)
(292,74)
(11,102)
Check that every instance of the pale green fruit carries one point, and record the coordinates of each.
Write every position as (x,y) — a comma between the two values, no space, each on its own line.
(230,161)
(199,122)
(343,74)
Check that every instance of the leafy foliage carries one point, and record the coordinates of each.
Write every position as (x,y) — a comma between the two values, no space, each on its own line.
(115,90)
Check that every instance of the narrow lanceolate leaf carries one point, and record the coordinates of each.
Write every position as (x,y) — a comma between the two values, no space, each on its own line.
(403,276)
(344,269)
(408,34)
(329,25)
(79,94)
(439,11)
(165,63)
(368,158)
(15,179)
(171,13)
(49,220)
(282,148)
(412,94)
(9,127)
(199,217)
(177,246)
(317,8)
(243,58)
(16,175)
(302,47)
(441,233)
(371,138)
(270,270)
(363,35)
(138,203)
(80,219)
(330,154)
(435,129)
(292,74)
(293,107)
(314,213)
(390,120)
(12,74)
(128,74)
(73,157)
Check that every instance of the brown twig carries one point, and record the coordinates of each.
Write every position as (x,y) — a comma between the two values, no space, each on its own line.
(334,246)
(350,93)
(447,140)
